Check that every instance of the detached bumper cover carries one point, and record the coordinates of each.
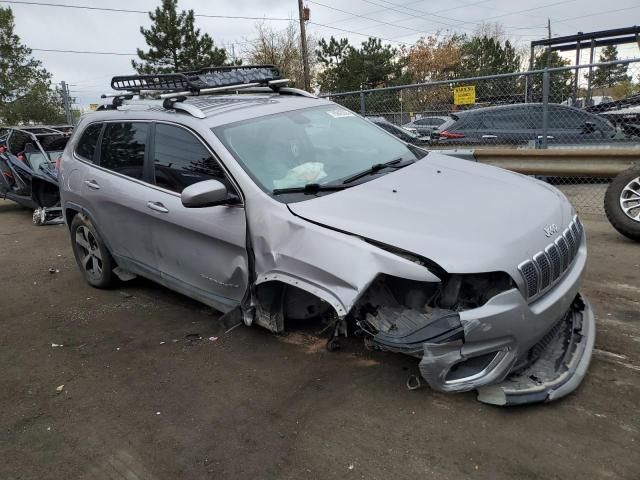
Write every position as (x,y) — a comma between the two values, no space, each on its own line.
(561,363)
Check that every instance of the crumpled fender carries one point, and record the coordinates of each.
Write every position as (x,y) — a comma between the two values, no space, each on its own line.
(335,266)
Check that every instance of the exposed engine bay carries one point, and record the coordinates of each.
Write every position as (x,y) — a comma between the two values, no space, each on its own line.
(393,314)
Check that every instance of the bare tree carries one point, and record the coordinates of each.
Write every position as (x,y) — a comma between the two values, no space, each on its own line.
(282,49)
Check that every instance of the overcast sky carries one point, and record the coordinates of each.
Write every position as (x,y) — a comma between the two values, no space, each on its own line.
(46,27)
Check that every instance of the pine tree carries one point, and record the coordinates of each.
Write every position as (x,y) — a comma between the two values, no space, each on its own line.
(175,43)
(610,75)
(560,83)
(486,55)
(26,94)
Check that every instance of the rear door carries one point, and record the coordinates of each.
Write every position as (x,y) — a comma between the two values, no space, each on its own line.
(200,251)
(115,191)
(509,126)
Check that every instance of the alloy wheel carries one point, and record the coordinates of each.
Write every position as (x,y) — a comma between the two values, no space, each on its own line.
(89,252)
(630,199)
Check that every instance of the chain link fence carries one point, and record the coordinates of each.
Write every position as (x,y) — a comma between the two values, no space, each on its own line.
(577,107)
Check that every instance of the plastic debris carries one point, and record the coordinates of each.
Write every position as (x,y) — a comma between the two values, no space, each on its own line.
(162,343)
(213,339)
(351,467)
(54,270)
(157,413)
(56,345)
(60,388)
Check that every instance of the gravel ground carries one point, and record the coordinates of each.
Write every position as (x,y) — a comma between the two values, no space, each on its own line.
(148,395)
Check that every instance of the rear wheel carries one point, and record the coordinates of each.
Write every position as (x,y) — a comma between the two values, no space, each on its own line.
(93,258)
(622,203)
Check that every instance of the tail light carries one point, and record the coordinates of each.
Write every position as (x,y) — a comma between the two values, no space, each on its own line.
(447,134)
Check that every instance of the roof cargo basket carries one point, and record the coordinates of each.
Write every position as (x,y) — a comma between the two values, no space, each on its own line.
(185,83)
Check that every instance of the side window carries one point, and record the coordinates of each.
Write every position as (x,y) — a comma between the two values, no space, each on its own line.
(123,147)
(560,117)
(180,159)
(88,141)
(510,119)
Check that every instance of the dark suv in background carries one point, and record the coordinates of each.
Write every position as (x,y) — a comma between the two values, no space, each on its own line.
(520,124)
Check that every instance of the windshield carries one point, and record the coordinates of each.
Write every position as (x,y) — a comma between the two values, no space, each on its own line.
(311,146)
(35,159)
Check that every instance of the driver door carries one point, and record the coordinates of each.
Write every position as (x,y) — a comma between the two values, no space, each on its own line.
(201,252)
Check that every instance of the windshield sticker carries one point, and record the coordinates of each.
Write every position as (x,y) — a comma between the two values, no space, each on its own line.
(340,113)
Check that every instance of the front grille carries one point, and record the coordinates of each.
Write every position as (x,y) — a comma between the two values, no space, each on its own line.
(546,267)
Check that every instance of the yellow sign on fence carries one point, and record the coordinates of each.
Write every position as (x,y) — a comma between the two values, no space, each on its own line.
(464,95)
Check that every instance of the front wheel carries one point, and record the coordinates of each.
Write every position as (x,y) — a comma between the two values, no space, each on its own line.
(622,203)
(93,258)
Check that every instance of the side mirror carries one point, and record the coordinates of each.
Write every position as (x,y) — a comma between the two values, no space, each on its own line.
(205,194)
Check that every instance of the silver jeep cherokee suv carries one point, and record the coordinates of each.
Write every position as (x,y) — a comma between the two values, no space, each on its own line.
(270,204)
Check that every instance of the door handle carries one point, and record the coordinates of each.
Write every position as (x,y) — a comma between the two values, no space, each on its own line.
(92,184)
(157,207)
(489,136)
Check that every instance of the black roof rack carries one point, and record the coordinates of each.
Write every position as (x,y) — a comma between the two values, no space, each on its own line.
(193,82)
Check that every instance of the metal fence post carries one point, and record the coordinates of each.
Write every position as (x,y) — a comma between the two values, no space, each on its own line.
(362,108)
(545,106)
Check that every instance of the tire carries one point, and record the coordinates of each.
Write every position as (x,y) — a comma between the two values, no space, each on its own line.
(92,256)
(621,193)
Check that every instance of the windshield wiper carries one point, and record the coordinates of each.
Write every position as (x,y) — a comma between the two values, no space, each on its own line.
(310,189)
(373,169)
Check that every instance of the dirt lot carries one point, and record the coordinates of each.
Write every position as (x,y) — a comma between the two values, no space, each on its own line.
(141,400)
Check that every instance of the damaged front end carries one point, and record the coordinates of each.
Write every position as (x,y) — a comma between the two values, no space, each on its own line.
(470,331)
(401,315)
(477,332)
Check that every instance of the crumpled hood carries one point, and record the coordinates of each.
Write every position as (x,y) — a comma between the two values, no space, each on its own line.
(466,217)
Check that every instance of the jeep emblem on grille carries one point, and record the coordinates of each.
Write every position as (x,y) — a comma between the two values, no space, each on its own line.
(550,229)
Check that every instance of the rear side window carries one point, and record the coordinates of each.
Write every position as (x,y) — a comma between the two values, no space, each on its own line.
(88,141)
(180,159)
(511,119)
(123,148)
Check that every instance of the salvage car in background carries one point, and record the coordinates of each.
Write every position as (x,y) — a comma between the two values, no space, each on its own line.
(425,126)
(272,205)
(400,132)
(28,170)
(521,124)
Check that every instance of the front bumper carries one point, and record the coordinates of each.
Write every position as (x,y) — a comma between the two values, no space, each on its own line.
(558,370)
(514,352)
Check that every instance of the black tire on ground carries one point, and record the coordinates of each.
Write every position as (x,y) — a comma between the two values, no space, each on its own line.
(93,257)
(617,189)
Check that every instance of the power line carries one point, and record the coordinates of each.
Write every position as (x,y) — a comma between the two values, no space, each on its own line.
(394,23)
(424,14)
(599,13)
(356,33)
(524,11)
(384,10)
(123,10)
(83,51)
(365,17)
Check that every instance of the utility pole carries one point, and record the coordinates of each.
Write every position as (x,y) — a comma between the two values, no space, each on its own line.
(303,41)
(67,102)
(549,46)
